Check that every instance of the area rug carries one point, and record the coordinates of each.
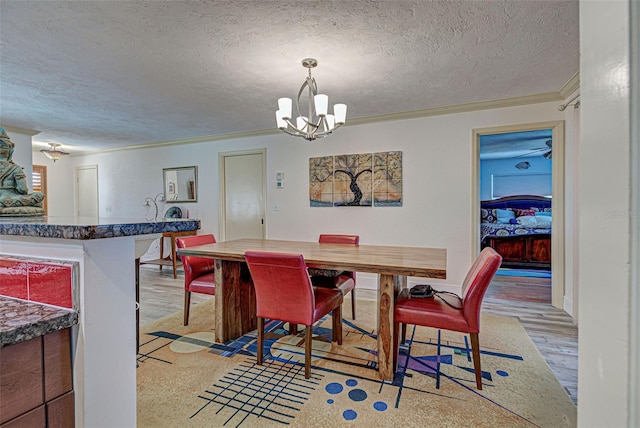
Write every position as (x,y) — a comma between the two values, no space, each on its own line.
(187,380)
(528,273)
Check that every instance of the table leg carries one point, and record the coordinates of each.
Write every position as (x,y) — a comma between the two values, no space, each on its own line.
(173,255)
(161,249)
(235,300)
(388,288)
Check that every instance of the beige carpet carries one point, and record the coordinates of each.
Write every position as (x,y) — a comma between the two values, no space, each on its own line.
(186,380)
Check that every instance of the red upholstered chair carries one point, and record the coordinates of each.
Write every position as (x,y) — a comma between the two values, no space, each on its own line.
(345,281)
(284,292)
(434,312)
(199,276)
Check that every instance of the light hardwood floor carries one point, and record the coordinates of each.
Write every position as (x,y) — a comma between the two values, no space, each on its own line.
(550,329)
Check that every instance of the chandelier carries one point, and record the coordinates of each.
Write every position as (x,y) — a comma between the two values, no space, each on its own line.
(318,122)
(55,152)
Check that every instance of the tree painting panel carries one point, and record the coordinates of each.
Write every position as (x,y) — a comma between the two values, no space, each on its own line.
(321,181)
(387,179)
(353,180)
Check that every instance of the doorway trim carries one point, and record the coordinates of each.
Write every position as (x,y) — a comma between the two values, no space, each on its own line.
(223,187)
(557,192)
(41,172)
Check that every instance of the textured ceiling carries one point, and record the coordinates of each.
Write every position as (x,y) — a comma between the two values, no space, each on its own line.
(106,74)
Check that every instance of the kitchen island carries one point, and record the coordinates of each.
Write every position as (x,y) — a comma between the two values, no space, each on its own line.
(104,340)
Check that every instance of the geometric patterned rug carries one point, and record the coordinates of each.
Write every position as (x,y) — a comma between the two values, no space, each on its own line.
(185,379)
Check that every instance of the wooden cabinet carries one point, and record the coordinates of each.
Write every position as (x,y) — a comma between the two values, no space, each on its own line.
(36,382)
(31,419)
(528,251)
(21,374)
(60,412)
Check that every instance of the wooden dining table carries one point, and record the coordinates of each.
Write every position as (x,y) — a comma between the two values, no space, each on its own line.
(235,301)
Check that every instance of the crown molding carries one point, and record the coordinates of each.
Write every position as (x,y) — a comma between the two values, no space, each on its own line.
(460,108)
(15,129)
(205,139)
(414,114)
(571,86)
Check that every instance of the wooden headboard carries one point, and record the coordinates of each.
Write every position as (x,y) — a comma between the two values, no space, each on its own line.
(517,202)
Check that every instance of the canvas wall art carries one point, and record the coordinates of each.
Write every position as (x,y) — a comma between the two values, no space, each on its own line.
(321,181)
(352,180)
(363,179)
(387,179)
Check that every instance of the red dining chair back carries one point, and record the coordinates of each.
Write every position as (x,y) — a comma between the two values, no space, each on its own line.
(434,312)
(199,272)
(345,281)
(284,292)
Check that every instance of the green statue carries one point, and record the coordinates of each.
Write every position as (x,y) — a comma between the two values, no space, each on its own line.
(15,199)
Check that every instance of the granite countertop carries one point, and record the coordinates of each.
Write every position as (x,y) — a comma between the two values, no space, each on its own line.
(90,227)
(21,320)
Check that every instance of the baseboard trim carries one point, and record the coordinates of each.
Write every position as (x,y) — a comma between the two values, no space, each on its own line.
(568,307)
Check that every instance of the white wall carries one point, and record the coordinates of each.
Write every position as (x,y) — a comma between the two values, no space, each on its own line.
(437,181)
(60,185)
(539,165)
(604,204)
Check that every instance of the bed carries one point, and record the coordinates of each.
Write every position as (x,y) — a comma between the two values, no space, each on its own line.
(519,229)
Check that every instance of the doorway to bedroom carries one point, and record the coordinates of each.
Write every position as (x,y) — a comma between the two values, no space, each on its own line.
(516,194)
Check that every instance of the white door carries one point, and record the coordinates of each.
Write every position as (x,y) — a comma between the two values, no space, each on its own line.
(243,195)
(87,191)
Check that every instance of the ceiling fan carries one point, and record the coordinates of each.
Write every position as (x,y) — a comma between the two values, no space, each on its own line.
(547,151)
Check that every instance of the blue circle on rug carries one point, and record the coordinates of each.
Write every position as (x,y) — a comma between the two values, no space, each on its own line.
(502,373)
(351,382)
(334,388)
(380,406)
(357,395)
(349,415)
(330,401)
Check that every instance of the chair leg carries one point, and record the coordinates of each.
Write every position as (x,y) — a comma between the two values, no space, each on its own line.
(404,333)
(293,328)
(353,304)
(307,351)
(438,361)
(475,349)
(396,345)
(336,328)
(260,339)
(187,305)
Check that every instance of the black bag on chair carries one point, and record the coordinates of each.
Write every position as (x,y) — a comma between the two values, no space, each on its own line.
(425,291)
(422,290)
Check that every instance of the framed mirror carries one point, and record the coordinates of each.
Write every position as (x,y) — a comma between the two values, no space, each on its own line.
(181,184)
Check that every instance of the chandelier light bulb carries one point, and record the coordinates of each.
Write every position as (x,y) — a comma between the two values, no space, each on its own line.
(331,122)
(284,105)
(321,102)
(280,120)
(340,111)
